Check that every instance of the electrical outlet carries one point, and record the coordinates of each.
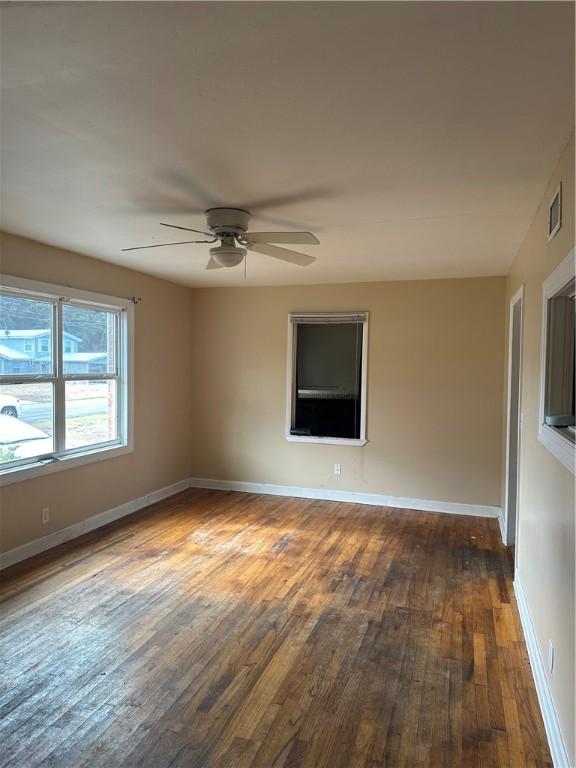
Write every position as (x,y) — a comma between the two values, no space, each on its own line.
(45,515)
(337,469)
(550,656)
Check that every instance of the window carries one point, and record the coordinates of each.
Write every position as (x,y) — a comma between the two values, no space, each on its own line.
(67,346)
(28,346)
(557,422)
(59,409)
(327,378)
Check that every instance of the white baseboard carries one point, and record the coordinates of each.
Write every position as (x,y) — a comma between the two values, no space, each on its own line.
(96,521)
(551,723)
(502,525)
(326,494)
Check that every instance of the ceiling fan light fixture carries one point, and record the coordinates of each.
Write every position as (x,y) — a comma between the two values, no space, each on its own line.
(227,255)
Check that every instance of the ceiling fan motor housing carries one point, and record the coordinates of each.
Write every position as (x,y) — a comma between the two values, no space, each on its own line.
(227,221)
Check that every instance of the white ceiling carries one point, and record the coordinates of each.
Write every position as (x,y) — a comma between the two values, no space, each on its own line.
(415,139)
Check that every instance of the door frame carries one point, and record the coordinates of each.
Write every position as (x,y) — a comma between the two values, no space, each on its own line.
(518,297)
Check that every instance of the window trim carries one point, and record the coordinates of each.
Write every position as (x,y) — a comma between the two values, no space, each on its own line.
(53,293)
(322,317)
(551,438)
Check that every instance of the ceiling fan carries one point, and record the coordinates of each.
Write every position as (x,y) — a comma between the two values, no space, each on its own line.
(229,226)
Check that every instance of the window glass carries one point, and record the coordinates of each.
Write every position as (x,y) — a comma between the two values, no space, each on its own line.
(560,359)
(22,323)
(89,343)
(26,420)
(328,380)
(91,413)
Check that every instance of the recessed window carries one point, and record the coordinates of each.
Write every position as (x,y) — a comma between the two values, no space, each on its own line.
(557,418)
(555,213)
(327,372)
(559,398)
(71,398)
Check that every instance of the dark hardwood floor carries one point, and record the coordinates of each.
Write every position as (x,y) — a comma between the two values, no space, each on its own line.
(225,629)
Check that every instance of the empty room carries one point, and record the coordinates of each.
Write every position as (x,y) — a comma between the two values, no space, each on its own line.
(287,391)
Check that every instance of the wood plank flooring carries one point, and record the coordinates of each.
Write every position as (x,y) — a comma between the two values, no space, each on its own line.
(231,630)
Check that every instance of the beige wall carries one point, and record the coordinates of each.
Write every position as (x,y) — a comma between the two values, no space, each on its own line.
(435,359)
(162,406)
(546,535)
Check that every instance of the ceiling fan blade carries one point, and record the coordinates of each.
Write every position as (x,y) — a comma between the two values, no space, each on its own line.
(161,245)
(189,185)
(213,264)
(301,196)
(161,204)
(296,238)
(199,231)
(302,259)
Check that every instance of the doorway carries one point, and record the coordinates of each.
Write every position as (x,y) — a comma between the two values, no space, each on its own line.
(514,419)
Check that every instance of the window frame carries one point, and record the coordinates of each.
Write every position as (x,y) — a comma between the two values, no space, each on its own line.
(295,318)
(560,282)
(61,458)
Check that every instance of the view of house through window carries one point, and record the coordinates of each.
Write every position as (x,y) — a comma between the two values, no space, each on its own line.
(327,378)
(51,402)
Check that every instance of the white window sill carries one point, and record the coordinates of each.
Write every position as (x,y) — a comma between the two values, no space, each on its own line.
(559,446)
(48,466)
(325,440)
